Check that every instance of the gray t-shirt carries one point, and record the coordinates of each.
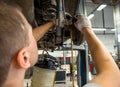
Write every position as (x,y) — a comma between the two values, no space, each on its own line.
(91,85)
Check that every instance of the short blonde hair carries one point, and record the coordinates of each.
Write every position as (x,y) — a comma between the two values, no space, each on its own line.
(12,37)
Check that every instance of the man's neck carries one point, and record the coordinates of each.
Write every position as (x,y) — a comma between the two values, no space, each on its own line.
(13,83)
(15,79)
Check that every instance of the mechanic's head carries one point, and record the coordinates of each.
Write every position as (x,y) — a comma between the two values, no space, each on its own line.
(18,50)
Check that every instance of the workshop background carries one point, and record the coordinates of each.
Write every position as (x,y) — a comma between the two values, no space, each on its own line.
(64,59)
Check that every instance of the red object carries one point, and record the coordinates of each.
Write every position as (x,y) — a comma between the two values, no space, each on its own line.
(91,67)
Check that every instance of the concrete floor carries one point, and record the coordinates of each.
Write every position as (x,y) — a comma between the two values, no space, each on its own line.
(27,83)
(45,78)
(68,83)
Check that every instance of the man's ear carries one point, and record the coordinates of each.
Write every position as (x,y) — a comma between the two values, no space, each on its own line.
(23,59)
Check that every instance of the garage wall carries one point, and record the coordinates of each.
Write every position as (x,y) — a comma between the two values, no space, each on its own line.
(108,41)
(102,19)
(108,17)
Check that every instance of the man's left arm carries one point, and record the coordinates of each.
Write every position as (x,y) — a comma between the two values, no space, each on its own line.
(39,32)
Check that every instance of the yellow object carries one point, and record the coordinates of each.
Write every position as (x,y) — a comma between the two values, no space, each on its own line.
(71,36)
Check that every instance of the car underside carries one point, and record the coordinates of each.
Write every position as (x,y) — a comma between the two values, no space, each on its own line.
(39,12)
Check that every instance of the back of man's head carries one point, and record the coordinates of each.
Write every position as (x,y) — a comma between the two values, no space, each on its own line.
(13,37)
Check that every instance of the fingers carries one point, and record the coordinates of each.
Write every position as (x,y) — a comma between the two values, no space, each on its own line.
(82,21)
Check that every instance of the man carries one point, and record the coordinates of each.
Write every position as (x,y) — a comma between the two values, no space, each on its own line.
(18,50)
(17,47)
(108,72)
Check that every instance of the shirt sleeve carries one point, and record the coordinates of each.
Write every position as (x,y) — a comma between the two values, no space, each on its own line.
(91,85)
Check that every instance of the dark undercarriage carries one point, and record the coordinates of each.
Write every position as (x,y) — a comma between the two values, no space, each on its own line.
(38,12)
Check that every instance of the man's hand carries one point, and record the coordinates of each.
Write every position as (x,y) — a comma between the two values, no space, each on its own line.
(82,22)
(50,15)
(54,21)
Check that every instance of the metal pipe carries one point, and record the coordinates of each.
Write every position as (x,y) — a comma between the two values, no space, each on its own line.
(93,10)
(117,26)
(64,11)
(78,7)
(60,23)
(87,64)
(60,13)
(103,19)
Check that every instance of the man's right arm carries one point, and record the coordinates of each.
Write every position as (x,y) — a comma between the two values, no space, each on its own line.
(108,72)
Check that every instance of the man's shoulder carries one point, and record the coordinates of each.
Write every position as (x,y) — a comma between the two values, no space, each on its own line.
(91,85)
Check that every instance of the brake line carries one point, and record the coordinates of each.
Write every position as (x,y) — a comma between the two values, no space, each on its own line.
(71,36)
